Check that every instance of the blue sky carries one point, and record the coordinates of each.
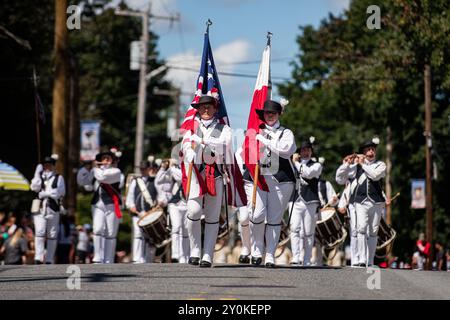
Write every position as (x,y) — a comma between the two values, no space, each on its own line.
(238,34)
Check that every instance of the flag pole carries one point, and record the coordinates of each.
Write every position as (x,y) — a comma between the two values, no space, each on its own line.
(191,165)
(255,177)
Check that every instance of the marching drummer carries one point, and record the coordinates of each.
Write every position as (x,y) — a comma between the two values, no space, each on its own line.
(105,179)
(207,148)
(168,179)
(368,198)
(328,199)
(141,198)
(277,169)
(51,189)
(303,220)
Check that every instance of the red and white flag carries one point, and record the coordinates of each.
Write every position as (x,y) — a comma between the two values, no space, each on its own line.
(261,93)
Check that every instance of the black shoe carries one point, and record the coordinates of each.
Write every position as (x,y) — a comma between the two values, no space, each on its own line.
(270,265)
(295,263)
(37,262)
(48,262)
(194,261)
(174,260)
(205,264)
(362,265)
(244,259)
(256,261)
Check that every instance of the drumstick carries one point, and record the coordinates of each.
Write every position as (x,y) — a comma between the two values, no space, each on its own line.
(329,202)
(393,198)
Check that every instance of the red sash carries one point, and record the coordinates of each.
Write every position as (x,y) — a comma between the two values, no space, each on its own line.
(115,198)
(210,179)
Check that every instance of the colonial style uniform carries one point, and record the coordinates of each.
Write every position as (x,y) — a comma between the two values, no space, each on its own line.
(243,218)
(141,195)
(106,202)
(303,220)
(212,140)
(51,189)
(169,182)
(369,203)
(277,169)
(347,201)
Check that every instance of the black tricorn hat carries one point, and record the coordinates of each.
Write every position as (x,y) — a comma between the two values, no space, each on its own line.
(100,155)
(374,142)
(204,100)
(51,159)
(308,143)
(269,105)
(144,164)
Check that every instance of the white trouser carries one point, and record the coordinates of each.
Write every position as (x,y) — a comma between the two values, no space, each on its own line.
(179,233)
(244,229)
(368,215)
(353,235)
(211,210)
(139,245)
(269,208)
(303,227)
(46,225)
(105,227)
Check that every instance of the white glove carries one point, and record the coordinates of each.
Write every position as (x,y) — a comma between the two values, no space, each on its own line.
(190,155)
(43,194)
(195,138)
(88,188)
(39,170)
(263,140)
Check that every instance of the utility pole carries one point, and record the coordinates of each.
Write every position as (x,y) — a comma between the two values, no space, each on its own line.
(388,173)
(143,62)
(429,166)
(60,87)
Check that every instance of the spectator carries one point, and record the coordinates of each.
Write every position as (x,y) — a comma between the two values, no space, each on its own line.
(15,248)
(83,243)
(440,257)
(422,253)
(64,241)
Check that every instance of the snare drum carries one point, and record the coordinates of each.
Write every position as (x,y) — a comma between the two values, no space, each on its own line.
(154,227)
(330,231)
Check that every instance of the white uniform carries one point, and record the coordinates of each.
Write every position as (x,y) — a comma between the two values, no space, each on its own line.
(243,217)
(105,221)
(330,194)
(369,204)
(142,253)
(208,205)
(169,182)
(303,220)
(270,206)
(46,222)
(344,202)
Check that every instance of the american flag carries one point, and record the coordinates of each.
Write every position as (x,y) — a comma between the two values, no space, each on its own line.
(211,87)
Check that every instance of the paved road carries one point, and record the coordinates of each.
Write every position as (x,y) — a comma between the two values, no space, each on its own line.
(175,281)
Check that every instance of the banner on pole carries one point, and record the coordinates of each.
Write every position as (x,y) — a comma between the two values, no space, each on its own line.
(90,139)
(418,194)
